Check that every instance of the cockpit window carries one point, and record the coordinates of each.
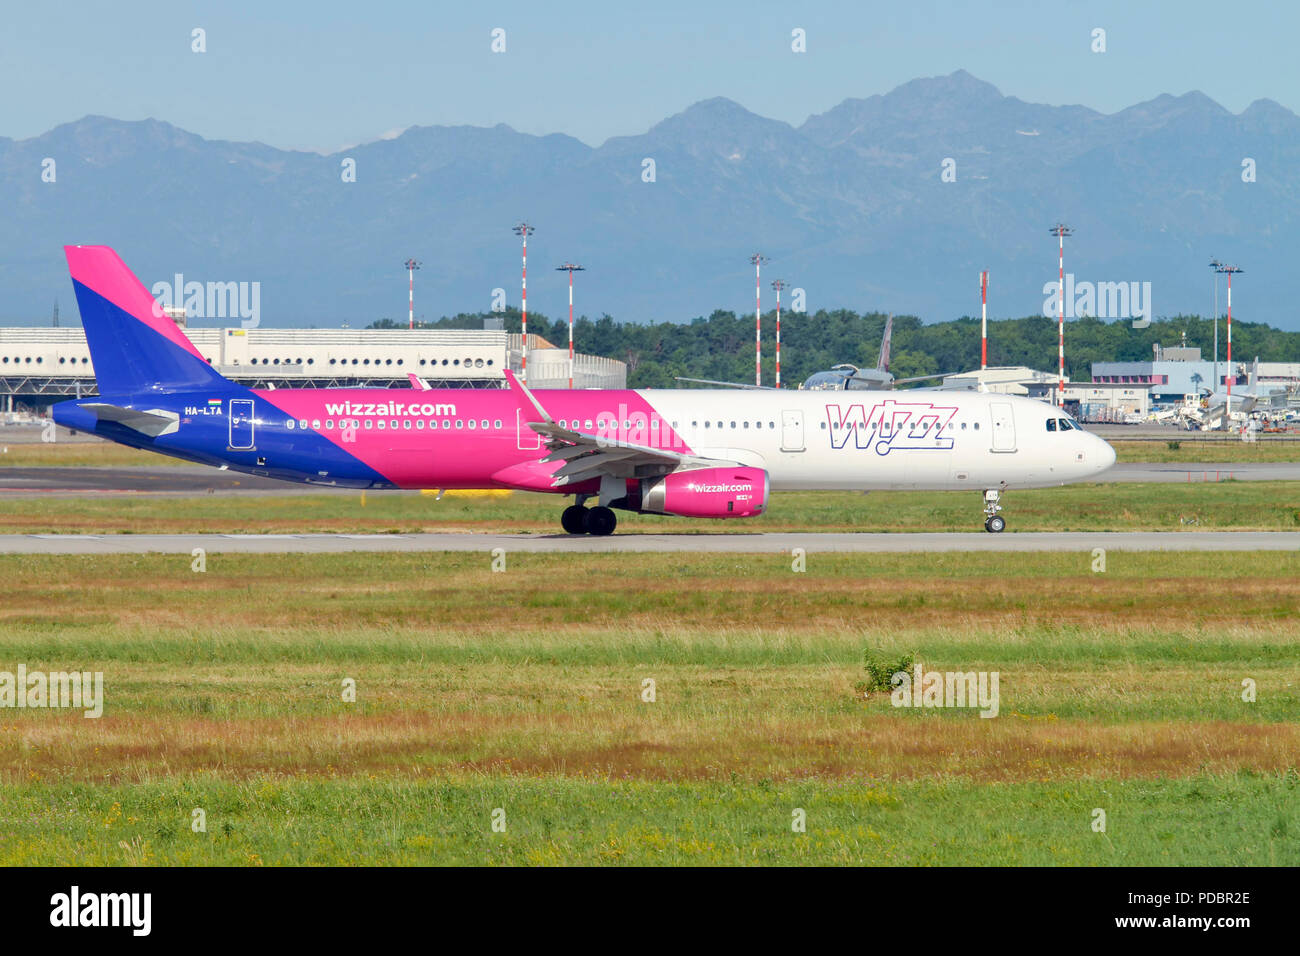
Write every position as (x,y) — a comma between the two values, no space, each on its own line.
(1051,424)
(1066,424)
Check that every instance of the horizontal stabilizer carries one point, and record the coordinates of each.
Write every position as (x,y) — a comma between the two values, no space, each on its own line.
(152,422)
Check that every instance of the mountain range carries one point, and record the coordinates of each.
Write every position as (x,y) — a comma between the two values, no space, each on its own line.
(852,207)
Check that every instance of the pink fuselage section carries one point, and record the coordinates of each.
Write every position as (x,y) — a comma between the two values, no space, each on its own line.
(459,438)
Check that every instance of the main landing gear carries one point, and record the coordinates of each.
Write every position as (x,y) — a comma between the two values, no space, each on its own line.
(579,520)
(994,523)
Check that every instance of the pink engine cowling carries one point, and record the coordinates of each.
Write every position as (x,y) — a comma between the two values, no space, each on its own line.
(707,493)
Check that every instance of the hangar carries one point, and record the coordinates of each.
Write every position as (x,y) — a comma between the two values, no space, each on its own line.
(43,365)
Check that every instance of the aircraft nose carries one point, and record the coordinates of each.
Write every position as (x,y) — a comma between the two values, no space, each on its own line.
(1104,456)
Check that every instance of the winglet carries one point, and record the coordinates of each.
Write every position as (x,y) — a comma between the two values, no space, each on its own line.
(521,392)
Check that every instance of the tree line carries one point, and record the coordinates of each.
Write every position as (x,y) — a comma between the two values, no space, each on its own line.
(721,346)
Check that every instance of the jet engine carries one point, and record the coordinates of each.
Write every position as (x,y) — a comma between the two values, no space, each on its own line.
(739,492)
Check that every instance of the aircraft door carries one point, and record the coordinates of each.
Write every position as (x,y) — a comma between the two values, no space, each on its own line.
(241,423)
(1004,427)
(792,430)
(525,438)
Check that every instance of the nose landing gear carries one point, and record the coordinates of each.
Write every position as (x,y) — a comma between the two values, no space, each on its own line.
(994,523)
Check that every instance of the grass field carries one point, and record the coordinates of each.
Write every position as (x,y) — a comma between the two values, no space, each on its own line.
(522,692)
(1236,505)
(103,454)
(1205,451)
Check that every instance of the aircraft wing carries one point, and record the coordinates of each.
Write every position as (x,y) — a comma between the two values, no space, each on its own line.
(710,381)
(589,456)
(923,378)
(152,422)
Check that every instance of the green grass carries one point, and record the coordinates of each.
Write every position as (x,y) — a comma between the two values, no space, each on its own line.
(523,690)
(1232,820)
(1194,448)
(1206,450)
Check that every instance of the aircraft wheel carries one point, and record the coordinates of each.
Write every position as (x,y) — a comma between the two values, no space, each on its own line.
(574,519)
(600,521)
(995,524)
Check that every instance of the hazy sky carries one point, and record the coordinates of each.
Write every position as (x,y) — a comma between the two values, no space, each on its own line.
(324,75)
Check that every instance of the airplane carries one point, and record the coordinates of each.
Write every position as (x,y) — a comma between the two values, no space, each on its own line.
(851,378)
(842,377)
(687,452)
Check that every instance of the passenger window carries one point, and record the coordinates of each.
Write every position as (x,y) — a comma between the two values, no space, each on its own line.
(459,423)
(977,426)
(329,423)
(497,423)
(963,426)
(315,423)
(483,424)
(382,424)
(472,423)
(369,424)
(406,424)
(1051,424)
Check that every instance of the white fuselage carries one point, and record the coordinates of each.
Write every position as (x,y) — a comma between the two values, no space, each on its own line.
(860,440)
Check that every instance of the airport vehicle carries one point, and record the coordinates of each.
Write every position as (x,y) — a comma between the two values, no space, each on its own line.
(691,452)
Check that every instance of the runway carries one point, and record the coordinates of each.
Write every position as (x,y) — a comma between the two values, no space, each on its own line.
(193,480)
(159,480)
(758,543)
(1183,472)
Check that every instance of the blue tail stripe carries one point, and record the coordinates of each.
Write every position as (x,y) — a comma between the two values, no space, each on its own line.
(130,358)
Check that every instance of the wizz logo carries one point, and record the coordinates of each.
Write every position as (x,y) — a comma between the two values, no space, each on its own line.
(891,425)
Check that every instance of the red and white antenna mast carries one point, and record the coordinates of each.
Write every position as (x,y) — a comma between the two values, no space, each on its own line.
(1232,373)
(778,285)
(758,259)
(570,268)
(524,230)
(1060,230)
(984,320)
(411,266)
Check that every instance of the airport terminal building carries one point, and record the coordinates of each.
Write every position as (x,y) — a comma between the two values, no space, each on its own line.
(43,365)
(1175,373)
